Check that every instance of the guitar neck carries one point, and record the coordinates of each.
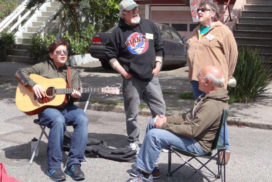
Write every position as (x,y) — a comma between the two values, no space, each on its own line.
(84,90)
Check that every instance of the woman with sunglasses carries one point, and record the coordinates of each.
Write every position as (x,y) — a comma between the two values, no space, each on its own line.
(211,43)
(57,118)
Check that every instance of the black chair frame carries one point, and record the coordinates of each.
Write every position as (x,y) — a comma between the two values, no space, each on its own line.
(221,167)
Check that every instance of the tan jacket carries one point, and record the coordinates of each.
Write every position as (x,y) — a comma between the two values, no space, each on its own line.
(202,122)
(217,47)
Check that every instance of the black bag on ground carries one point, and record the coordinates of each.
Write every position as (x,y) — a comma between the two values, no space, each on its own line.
(67,140)
(119,154)
(99,148)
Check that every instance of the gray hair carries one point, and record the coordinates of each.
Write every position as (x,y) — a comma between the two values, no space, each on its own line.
(217,82)
(212,6)
(122,13)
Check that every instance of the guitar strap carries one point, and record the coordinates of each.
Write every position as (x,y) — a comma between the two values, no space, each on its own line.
(69,79)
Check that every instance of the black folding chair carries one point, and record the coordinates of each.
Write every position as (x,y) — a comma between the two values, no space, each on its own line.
(217,145)
(43,132)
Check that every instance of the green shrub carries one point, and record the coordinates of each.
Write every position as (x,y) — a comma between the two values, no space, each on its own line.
(7,41)
(39,47)
(80,42)
(7,6)
(252,76)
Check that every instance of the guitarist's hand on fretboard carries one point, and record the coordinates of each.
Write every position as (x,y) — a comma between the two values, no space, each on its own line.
(39,91)
(76,94)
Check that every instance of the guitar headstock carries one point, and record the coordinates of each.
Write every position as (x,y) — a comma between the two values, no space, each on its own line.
(111,90)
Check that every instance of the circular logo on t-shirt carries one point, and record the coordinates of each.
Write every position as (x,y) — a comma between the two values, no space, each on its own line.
(137,43)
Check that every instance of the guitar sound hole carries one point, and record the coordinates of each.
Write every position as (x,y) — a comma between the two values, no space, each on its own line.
(50,92)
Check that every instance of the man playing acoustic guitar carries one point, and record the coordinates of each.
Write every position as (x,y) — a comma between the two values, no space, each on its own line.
(56,118)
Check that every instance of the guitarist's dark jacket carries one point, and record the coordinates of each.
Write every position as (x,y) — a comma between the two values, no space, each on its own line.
(47,69)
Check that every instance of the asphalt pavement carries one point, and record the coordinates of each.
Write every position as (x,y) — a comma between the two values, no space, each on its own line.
(249,134)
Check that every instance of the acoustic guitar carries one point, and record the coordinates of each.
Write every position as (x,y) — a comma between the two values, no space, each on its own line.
(56,90)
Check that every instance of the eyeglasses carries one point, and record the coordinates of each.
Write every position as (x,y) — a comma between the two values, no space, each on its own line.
(59,52)
(202,9)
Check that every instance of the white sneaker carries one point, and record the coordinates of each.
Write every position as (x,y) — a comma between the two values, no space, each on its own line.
(141,178)
(134,146)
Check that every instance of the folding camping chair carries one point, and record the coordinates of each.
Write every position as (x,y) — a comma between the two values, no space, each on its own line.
(217,144)
(43,132)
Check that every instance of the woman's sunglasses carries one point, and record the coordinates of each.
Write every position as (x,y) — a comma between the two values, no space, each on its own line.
(202,9)
(58,52)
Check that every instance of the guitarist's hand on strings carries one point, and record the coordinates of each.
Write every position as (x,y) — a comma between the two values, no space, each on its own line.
(39,91)
(76,94)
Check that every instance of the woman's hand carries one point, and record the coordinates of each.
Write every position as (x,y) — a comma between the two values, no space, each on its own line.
(76,94)
(39,91)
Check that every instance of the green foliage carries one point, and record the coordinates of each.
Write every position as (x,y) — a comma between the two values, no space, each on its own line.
(252,76)
(81,19)
(187,96)
(103,14)
(33,3)
(7,6)
(80,42)
(39,47)
(7,41)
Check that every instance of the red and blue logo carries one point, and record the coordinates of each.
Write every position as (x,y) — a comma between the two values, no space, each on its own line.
(137,43)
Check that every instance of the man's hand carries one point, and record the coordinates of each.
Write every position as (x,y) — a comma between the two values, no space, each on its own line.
(157,68)
(76,94)
(160,120)
(127,75)
(39,91)
(119,68)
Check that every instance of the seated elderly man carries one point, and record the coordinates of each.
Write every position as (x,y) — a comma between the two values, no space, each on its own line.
(193,131)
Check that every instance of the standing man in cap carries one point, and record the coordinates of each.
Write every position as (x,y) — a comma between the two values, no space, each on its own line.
(135,51)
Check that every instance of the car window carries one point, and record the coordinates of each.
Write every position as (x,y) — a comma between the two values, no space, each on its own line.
(165,32)
(169,33)
(175,35)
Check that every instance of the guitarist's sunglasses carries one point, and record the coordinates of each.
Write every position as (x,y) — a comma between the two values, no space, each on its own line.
(59,52)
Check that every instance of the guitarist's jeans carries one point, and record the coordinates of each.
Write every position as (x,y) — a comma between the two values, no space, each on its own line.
(56,120)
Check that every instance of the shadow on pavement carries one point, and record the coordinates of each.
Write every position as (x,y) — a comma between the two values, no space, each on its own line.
(23,151)
(186,174)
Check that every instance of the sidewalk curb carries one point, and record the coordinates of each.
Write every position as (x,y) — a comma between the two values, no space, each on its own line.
(248,123)
(146,112)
